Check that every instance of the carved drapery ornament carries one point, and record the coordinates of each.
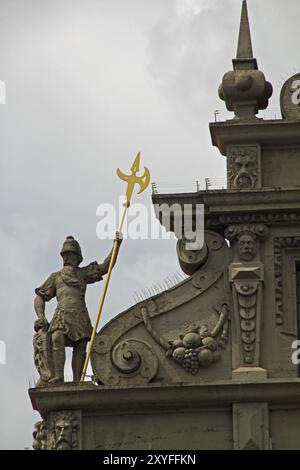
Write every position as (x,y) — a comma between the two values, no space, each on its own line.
(246,276)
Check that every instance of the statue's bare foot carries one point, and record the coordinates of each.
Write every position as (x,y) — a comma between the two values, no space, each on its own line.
(55,380)
(41,383)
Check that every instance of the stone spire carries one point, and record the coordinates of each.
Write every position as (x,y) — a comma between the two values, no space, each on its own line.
(245,89)
(244,50)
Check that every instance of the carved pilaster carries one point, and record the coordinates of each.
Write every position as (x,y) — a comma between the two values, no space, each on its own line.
(251,426)
(243,167)
(246,275)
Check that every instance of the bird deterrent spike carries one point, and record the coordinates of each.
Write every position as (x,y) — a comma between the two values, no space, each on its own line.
(145,294)
(136,296)
(140,296)
(152,290)
(149,292)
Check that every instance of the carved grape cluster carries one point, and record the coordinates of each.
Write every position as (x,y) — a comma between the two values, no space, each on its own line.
(194,350)
(190,360)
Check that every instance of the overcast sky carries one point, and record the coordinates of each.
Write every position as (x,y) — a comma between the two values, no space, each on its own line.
(89,83)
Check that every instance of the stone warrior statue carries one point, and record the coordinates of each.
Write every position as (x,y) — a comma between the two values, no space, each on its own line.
(71,325)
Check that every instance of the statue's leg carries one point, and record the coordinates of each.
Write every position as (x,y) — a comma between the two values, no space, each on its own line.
(79,354)
(58,356)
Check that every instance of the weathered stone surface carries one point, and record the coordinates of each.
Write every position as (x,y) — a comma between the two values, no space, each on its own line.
(207,363)
(178,416)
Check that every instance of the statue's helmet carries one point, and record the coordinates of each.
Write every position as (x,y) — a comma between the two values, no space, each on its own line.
(71,245)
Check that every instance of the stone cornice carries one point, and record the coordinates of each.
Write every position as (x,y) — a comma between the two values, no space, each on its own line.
(224,197)
(157,397)
(264,132)
(271,206)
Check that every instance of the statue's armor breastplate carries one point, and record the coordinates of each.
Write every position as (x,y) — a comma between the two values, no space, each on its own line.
(70,296)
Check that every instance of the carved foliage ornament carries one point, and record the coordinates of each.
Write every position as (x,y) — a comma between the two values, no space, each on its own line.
(39,436)
(198,345)
(256,230)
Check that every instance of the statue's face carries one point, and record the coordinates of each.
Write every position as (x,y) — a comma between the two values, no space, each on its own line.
(246,247)
(63,434)
(71,259)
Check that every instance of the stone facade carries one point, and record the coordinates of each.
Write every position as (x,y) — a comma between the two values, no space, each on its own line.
(207,363)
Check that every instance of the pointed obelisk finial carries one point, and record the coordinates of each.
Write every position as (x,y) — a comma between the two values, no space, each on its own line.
(244,49)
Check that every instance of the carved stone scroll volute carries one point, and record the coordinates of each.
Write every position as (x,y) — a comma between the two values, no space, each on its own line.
(246,275)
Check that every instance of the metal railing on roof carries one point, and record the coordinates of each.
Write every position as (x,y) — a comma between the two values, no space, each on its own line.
(178,187)
(215,183)
(175,187)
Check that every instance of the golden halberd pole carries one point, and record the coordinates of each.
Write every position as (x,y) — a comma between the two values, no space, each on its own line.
(132,180)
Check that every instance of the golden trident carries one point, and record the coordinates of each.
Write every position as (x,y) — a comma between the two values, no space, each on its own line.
(132,180)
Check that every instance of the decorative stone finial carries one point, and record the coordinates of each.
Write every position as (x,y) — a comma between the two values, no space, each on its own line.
(245,89)
(244,50)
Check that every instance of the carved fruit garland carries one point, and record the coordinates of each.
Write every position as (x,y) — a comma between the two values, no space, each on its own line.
(198,347)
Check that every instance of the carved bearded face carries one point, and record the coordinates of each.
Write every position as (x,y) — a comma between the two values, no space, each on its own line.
(63,434)
(244,172)
(246,247)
